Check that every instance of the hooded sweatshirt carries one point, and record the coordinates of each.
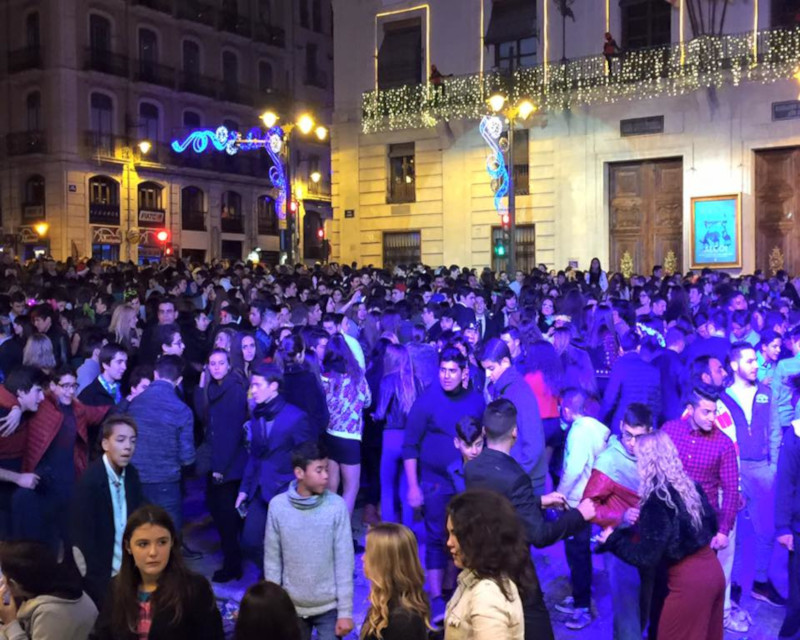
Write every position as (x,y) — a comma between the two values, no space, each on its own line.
(52,617)
(308,550)
(613,484)
(585,441)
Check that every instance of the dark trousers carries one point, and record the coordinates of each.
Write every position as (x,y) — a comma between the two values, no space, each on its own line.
(579,559)
(42,515)
(7,490)
(436,496)
(790,630)
(255,525)
(220,499)
(371,441)
(166,495)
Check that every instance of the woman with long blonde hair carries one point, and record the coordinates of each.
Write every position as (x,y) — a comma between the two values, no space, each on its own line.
(676,524)
(398,607)
(123,326)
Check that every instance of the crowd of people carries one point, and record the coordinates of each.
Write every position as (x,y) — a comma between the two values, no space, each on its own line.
(636,418)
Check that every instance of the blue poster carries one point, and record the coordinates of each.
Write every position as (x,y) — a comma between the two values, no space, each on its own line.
(715,232)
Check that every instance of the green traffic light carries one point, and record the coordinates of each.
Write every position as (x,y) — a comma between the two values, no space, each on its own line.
(500,250)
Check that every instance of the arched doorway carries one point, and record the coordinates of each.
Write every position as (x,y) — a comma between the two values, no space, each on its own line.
(313,236)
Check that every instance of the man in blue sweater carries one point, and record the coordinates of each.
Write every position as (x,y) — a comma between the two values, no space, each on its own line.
(428,452)
(165,442)
(309,548)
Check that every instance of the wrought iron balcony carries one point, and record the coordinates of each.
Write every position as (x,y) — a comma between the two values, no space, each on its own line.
(103,213)
(233,224)
(104,61)
(269,34)
(234,22)
(238,93)
(24,59)
(101,144)
(708,61)
(198,84)
(154,73)
(164,6)
(199,12)
(193,220)
(25,142)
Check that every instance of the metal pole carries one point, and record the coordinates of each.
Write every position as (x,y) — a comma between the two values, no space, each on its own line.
(289,214)
(512,205)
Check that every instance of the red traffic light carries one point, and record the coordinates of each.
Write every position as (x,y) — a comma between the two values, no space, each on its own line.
(168,249)
(293,206)
(162,236)
(505,221)
(321,233)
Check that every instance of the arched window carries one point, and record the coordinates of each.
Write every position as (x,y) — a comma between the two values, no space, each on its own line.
(32,39)
(148,121)
(193,211)
(264,77)
(99,33)
(150,196)
(230,67)
(191,58)
(102,123)
(34,190)
(267,218)
(148,55)
(33,109)
(103,200)
(232,219)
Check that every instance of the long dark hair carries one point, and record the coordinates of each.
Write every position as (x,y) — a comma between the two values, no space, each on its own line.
(174,586)
(492,540)
(34,567)
(266,611)
(542,356)
(340,359)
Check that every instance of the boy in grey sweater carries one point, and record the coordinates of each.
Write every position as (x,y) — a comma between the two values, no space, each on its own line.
(308,547)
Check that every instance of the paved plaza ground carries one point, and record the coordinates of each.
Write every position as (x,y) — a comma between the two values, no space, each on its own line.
(550,564)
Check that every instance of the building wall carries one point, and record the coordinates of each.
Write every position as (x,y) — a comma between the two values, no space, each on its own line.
(716,133)
(66,83)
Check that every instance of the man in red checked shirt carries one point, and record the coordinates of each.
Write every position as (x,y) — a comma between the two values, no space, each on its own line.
(709,457)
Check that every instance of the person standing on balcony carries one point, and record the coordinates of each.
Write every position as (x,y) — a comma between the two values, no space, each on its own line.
(611,50)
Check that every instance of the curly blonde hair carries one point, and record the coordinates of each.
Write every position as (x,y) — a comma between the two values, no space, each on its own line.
(660,468)
(391,563)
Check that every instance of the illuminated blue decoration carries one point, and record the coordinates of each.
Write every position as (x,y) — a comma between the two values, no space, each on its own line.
(221,139)
(491,128)
(231,142)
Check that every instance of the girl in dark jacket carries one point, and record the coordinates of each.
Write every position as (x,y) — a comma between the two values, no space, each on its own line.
(221,402)
(154,595)
(301,387)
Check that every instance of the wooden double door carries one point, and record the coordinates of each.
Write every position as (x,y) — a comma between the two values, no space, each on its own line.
(646,213)
(777,192)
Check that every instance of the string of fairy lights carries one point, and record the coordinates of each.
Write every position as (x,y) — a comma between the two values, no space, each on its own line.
(708,61)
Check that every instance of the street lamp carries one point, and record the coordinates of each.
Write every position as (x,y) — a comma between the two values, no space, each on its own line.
(145,146)
(41,229)
(500,106)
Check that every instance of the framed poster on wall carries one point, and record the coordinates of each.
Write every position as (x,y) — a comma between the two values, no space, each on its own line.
(717,232)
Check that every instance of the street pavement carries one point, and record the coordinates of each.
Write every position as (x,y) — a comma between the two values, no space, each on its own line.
(550,564)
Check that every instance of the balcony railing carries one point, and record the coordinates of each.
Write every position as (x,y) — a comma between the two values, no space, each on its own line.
(233,22)
(238,93)
(708,61)
(24,59)
(155,73)
(193,220)
(165,6)
(198,84)
(103,145)
(103,213)
(103,61)
(269,34)
(199,12)
(25,142)
(233,225)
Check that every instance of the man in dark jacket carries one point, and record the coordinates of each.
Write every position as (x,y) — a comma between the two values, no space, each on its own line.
(105,389)
(495,469)
(276,429)
(787,523)
(106,495)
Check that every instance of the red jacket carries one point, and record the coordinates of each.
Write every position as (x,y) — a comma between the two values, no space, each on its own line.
(43,428)
(14,445)
(611,499)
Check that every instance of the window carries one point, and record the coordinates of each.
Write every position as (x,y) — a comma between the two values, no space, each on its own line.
(32,39)
(102,123)
(99,33)
(314,245)
(313,76)
(148,53)
(191,58)
(33,109)
(521,173)
(645,23)
(785,13)
(193,213)
(191,119)
(400,54)
(316,15)
(150,196)
(103,200)
(264,77)
(232,221)
(304,18)
(401,173)
(148,122)
(267,218)
(404,247)
(231,250)
(510,56)
(526,249)
(230,68)
(34,191)
(105,252)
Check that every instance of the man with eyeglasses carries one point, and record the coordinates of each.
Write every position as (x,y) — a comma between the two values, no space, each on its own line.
(56,450)
(614,487)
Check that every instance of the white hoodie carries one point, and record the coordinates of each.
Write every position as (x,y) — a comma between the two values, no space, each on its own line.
(586,439)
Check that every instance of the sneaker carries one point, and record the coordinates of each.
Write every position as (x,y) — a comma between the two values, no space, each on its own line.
(766,592)
(738,620)
(580,619)
(438,610)
(567,605)
(736,592)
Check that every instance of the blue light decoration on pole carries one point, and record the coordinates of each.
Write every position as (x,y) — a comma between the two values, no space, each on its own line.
(491,130)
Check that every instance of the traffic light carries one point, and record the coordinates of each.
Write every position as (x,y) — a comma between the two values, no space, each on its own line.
(321,233)
(505,222)
(168,249)
(162,236)
(293,207)
(500,249)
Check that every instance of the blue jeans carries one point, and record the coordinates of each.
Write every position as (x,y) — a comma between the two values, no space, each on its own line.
(758,482)
(324,623)
(253,531)
(166,495)
(436,495)
(393,479)
(630,597)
